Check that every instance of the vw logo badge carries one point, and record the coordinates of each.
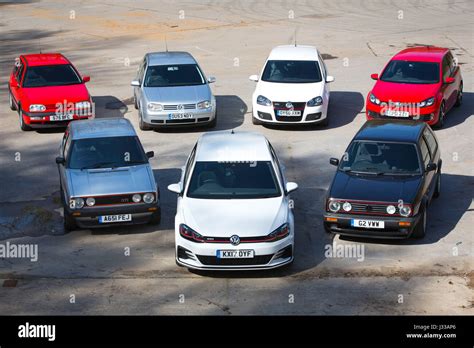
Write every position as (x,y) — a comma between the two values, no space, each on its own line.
(289,105)
(235,240)
(180,107)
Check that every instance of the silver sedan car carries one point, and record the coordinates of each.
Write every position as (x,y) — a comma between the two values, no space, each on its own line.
(171,90)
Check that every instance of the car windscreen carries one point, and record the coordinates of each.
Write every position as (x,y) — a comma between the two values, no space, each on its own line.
(51,75)
(173,75)
(108,152)
(221,180)
(292,71)
(402,71)
(381,158)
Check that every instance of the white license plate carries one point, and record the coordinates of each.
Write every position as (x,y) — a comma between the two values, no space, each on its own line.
(184,116)
(105,219)
(396,113)
(235,254)
(61,117)
(289,112)
(367,223)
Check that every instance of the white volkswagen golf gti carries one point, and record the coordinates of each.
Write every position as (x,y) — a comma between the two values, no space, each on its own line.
(234,210)
(292,88)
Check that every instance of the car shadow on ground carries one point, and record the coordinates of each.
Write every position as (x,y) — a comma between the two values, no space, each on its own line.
(107,106)
(344,106)
(231,110)
(444,212)
(458,115)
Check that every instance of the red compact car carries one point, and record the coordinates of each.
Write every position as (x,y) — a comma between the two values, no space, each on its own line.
(421,83)
(48,91)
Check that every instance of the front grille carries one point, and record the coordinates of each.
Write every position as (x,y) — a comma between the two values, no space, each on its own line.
(361,208)
(203,119)
(171,107)
(214,261)
(282,106)
(185,120)
(313,117)
(264,115)
(114,199)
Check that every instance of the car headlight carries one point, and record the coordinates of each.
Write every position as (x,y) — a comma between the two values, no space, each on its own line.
(315,102)
(391,209)
(76,203)
(261,100)
(155,107)
(37,107)
(373,99)
(83,105)
(427,102)
(204,104)
(281,232)
(136,198)
(347,207)
(405,210)
(188,233)
(90,201)
(334,206)
(148,197)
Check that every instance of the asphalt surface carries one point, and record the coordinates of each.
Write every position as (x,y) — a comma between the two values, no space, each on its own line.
(231,39)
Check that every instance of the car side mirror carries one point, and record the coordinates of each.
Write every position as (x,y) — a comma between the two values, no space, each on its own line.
(176,188)
(60,160)
(374,76)
(135,83)
(150,154)
(211,79)
(449,80)
(431,166)
(291,186)
(253,78)
(330,78)
(334,161)
(86,79)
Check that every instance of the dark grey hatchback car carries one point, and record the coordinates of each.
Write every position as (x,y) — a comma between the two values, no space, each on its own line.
(385,181)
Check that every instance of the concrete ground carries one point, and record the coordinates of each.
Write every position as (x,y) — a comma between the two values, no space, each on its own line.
(87,272)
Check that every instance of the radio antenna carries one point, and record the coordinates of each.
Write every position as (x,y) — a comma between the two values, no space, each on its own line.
(295,37)
(166,44)
(39,45)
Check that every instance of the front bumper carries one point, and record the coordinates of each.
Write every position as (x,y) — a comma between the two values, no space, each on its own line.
(43,119)
(429,114)
(163,118)
(392,229)
(202,256)
(89,216)
(310,115)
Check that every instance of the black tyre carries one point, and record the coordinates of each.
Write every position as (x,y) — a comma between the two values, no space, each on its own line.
(325,122)
(141,124)
(23,126)
(10,101)
(256,121)
(459,97)
(441,115)
(156,217)
(213,123)
(420,229)
(68,222)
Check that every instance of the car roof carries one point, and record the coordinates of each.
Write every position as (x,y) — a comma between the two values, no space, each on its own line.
(292,52)
(388,130)
(101,128)
(422,54)
(232,146)
(45,59)
(165,58)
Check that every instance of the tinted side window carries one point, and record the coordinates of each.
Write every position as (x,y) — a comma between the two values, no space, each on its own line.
(277,162)
(189,165)
(430,140)
(19,73)
(323,67)
(451,63)
(446,68)
(425,154)
(66,147)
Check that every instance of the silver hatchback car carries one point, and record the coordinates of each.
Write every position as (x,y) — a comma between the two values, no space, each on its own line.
(105,176)
(171,90)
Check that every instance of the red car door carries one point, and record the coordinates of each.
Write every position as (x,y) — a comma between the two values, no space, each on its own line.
(448,89)
(16,80)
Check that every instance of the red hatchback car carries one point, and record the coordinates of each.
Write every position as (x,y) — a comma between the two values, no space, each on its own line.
(47,91)
(421,83)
